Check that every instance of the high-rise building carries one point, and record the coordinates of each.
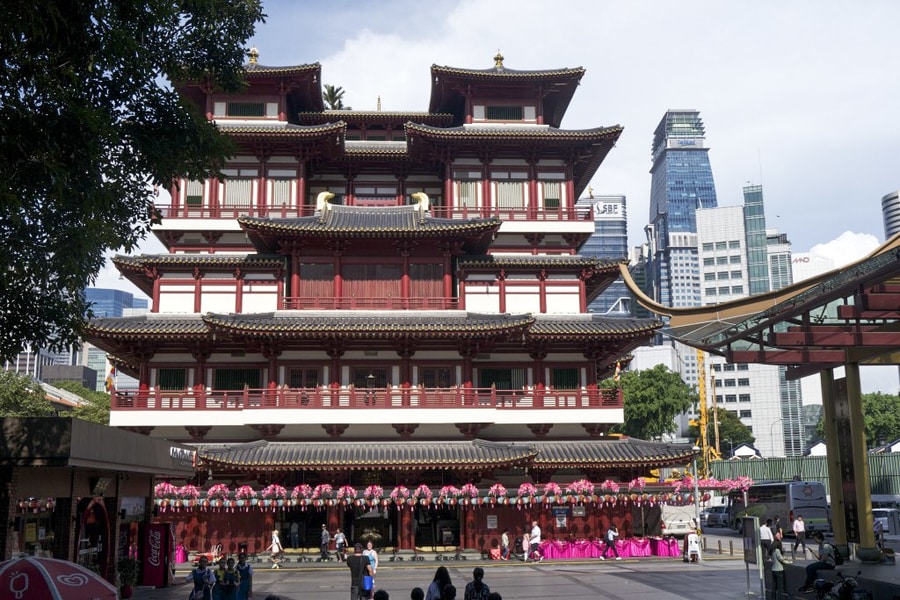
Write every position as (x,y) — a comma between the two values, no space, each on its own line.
(609,240)
(890,212)
(111,303)
(681,183)
(738,254)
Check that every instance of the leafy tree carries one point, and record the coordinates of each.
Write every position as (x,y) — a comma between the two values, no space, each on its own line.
(881,414)
(333,96)
(22,397)
(653,398)
(96,404)
(732,433)
(86,133)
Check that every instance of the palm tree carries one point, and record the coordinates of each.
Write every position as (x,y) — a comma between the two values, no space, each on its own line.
(334,98)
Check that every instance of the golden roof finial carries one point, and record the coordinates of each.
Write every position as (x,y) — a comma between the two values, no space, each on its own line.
(590,192)
(498,60)
(254,55)
(379,102)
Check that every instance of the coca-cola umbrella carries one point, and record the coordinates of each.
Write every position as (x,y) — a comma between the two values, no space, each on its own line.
(31,578)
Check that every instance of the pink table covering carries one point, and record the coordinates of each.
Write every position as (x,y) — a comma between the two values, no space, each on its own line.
(628,548)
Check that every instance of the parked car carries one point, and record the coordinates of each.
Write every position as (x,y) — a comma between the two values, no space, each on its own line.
(714,516)
(678,521)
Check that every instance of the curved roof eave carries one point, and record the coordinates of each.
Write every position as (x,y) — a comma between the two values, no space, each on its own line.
(714,327)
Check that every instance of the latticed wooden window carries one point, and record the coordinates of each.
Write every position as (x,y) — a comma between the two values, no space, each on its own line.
(171,379)
(194,193)
(552,194)
(246,109)
(564,378)
(436,377)
(236,379)
(504,113)
(281,192)
(238,192)
(300,377)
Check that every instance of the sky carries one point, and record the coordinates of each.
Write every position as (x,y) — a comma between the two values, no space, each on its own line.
(798,96)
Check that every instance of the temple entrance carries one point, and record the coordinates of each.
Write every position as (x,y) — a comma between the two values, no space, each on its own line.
(436,528)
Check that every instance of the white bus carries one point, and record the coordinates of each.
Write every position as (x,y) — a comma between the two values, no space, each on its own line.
(785,500)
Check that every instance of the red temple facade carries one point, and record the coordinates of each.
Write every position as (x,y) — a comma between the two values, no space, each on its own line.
(384,300)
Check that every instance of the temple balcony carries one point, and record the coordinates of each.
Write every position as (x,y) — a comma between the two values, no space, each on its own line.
(417,398)
(367,413)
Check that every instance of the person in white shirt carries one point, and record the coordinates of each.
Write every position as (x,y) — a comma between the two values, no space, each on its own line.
(766,539)
(799,528)
(535,542)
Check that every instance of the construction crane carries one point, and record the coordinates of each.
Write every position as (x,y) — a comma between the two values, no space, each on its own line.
(707,452)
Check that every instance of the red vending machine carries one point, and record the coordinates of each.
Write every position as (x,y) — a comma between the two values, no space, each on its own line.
(158,554)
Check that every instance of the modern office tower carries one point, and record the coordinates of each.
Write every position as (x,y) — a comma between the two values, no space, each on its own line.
(890,212)
(757,254)
(29,363)
(737,253)
(681,183)
(609,240)
(111,303)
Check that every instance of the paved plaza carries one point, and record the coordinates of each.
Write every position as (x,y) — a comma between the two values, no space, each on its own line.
(634,579)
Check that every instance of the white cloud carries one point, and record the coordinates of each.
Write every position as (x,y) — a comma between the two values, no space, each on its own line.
(847,248)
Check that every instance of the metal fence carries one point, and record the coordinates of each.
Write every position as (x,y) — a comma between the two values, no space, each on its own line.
(884,470)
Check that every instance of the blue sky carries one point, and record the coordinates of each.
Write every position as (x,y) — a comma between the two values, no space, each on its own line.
(799,96)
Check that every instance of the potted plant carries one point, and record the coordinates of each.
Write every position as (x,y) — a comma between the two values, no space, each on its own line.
(129,569)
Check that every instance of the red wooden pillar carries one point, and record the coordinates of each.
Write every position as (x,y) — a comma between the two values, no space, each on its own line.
(239,291)
(502,291)
(404,279)
(295,278)
(471,538)
(543,290)
(338,278)
(156,288)
(262,199)
(198,277)
(301,187)
(448,281)
(486,203)
(406,540)
(449,200)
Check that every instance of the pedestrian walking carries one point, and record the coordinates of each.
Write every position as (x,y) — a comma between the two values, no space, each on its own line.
(324,540)
(799,528)
(766,538)
(504,545)
(610,542)
(276,549)
(359,567)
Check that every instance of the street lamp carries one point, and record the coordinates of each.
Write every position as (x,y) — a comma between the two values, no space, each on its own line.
(730,447)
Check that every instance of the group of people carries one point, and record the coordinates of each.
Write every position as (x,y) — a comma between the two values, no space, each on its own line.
(531,544)
(231,581)
(340,544)
(442,588)
(770,536)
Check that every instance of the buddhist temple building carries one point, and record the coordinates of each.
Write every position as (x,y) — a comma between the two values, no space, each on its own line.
(373,310)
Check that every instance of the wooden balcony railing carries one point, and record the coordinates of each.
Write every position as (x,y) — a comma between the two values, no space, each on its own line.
(284,211)
(369,303)
(362,398)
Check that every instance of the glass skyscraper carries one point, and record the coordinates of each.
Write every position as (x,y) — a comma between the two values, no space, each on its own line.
(111,303)
(681,182)
(610,241)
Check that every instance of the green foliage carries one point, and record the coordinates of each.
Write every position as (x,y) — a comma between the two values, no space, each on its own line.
(732,433)
(96,406)
(22,397)
(881,414)
(653,398)
(333,96)
(129,569)
(86,132)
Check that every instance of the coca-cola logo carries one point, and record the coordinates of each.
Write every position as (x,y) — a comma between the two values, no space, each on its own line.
(155,542)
